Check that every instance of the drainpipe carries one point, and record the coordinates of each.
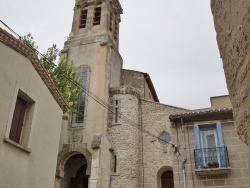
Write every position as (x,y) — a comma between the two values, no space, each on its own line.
(184,154)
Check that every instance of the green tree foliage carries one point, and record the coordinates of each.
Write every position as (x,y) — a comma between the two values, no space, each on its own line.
(29,39)
(64,75)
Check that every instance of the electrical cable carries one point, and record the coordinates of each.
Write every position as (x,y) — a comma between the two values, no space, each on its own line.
(89,93)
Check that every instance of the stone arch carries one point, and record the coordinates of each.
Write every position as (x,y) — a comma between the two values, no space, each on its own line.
(69,151)
(160,172)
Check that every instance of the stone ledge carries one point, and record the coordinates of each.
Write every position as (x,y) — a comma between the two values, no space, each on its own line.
(19,146)
(124,90)
(213,171)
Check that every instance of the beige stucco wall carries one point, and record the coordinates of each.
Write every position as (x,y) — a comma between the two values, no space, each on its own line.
(231,19)
(239,158)
(21,169)
(220,102)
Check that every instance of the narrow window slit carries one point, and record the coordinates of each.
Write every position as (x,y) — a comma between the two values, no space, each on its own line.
(83,19)
(97,16)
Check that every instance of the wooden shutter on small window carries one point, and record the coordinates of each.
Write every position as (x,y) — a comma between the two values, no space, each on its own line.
(222,154)
(17,121)
(199,157)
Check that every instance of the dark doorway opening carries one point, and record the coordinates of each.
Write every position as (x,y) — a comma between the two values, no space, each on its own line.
(75,172)
(81,179)
(167,179)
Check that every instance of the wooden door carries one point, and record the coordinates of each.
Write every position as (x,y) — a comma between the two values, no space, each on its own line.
(167,180)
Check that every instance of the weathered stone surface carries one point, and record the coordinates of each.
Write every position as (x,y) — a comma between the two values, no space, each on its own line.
(232,24)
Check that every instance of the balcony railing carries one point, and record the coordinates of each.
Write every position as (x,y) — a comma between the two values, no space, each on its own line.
(209,161)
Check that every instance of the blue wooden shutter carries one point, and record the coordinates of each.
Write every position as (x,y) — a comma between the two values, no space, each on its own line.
(199,157)
(221,149)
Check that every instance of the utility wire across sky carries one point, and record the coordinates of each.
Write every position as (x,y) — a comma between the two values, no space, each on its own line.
(89,93)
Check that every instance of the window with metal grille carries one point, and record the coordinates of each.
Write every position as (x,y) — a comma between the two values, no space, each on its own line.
(97,16)
(83,19)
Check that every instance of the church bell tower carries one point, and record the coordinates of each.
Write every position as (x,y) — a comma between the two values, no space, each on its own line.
(97,18)
(93,46)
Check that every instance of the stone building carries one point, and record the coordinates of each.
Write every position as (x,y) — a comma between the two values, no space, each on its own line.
(210,153)
(29,127)
(113,141)
(122,136)
(231,19)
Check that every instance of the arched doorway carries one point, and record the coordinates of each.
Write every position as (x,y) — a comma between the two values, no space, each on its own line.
(167,179)
(75,172)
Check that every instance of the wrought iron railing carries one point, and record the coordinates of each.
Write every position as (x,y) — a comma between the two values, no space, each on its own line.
(211,158)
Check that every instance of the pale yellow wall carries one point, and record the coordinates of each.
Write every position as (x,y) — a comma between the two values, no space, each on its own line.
(20,169)
(105,65)
(94,55)
(220,102)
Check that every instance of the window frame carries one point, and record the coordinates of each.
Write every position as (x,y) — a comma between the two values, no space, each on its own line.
(24,142)
(219,143)
(72,121)
(97,15)
(164,141)
(83,18)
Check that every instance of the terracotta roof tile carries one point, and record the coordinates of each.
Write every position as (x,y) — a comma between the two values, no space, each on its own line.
(25,50)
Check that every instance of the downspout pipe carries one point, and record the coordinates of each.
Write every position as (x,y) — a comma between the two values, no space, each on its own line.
(184,155)
(184,172)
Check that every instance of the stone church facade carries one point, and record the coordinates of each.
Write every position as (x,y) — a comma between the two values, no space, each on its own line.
(114,143)
(122,136)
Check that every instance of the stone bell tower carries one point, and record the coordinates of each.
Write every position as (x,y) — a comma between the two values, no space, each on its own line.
(85,149)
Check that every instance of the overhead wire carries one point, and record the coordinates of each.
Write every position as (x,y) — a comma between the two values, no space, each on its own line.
(89,93)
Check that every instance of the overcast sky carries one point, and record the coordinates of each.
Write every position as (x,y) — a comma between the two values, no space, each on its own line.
(173,41)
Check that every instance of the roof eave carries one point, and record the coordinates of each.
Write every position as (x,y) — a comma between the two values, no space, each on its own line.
(202,116)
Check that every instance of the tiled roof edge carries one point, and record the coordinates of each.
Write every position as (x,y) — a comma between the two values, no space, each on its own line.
(28,52)
(196,113)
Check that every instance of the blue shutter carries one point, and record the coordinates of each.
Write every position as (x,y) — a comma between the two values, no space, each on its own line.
(221,149)
(199,157)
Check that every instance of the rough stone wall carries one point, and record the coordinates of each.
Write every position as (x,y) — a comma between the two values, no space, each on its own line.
(133,79)
(232,25)
(155,119)
(239,158)
(124,138)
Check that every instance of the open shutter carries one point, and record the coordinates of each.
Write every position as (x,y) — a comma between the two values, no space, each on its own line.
(221,149)
(199,157)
